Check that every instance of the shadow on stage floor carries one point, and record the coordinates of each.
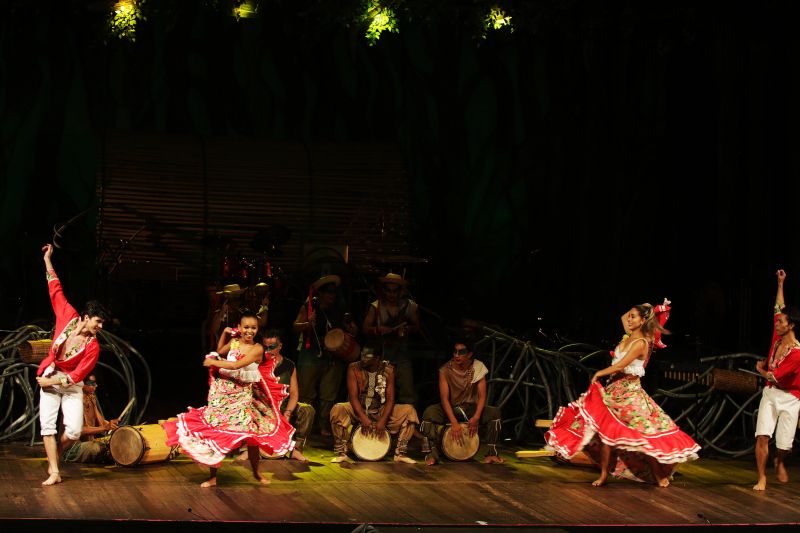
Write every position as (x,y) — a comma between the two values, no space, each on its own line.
(534,494)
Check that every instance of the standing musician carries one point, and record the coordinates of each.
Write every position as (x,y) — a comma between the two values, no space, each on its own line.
(462,388)
(390,320)
(370,389)
(71,358)
(319,372)
(780,401)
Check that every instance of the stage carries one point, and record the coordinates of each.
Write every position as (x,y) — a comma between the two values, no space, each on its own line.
(532,493)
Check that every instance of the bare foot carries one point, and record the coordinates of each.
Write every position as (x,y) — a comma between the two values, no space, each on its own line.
(599,482)
(210,483)
(780,470)
(761,485)
(663,482)
(297,455)
(261,479)
(340,459)
(493,459)
(52,480)
(404,459)
(242,457)
(430,459)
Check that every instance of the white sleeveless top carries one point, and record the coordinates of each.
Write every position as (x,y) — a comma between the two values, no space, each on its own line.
(246,374)
(635,368)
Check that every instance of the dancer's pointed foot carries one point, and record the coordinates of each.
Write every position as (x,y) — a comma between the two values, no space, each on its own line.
(53,479)
(599,482)
(261,479)
(780,470)
(761,485)
(297,455)
(210,483)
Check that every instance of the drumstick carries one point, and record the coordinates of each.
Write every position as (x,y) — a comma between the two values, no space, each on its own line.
(127,408)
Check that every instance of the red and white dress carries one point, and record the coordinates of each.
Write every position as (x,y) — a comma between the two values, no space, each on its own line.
(243,408)
(624,416)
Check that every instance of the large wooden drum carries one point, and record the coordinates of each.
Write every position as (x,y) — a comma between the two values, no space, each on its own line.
(139,445)
(34,351)
(342,345)
(456,451)
(369,447)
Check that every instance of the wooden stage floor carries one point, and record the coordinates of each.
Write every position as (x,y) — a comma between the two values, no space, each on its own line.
(521,492)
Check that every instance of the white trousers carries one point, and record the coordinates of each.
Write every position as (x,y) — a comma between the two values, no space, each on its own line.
(69,400)
(778,413)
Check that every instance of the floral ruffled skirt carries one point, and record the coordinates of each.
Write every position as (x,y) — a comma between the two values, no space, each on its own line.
(625,417)
(236,414)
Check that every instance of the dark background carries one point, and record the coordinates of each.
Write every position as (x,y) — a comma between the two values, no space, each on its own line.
(600,155)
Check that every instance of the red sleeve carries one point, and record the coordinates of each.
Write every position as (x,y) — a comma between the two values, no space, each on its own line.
(785,373)
(87,362)
(61,307)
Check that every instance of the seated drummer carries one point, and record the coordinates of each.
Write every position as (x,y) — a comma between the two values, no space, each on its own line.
(300,415)
(371,390)
(90,449)
(462,391)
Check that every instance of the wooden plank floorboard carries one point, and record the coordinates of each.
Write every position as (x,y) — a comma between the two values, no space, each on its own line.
(530,491)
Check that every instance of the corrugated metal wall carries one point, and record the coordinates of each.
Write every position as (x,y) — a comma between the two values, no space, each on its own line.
(171,203)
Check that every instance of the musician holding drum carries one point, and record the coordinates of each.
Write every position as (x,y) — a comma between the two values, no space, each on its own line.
(319,370)
(72,356)
(371,390)
(462,391)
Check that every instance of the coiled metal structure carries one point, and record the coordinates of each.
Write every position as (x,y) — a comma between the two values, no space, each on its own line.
(527,381)
(124,369)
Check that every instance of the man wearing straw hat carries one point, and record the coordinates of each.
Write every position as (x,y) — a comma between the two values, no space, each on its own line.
(389,322)
(230,311)
(319,373)
(370,389)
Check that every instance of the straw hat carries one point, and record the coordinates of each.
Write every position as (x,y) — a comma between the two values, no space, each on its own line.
(325,280)
(231,290)
(392,278)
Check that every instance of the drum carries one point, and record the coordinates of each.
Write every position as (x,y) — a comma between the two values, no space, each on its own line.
(34,351)
(454,450)
(369,448)
(342,345)
(139,445)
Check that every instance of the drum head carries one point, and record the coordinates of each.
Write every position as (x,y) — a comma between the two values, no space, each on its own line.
(127,446)
(370,448)
(334,339)
(454,451)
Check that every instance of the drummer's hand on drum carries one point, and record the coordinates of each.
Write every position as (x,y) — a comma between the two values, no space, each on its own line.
(456,433)
(472,425)
(366,426)
(379,428)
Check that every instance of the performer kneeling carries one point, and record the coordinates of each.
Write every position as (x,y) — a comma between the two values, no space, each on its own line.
(243,406)
(647,443)
(72,356)
(371,390)
(462,388)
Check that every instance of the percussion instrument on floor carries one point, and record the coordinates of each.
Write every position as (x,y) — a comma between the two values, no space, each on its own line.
(458,451)
(139,445)
(370,447)
(342,345)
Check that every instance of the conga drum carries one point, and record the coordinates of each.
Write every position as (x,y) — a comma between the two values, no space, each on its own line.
(342,345)
(139,445)
(369,447)
(456,451)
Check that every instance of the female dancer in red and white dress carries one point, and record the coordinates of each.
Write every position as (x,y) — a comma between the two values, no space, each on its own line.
(621,416)
(243,406)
